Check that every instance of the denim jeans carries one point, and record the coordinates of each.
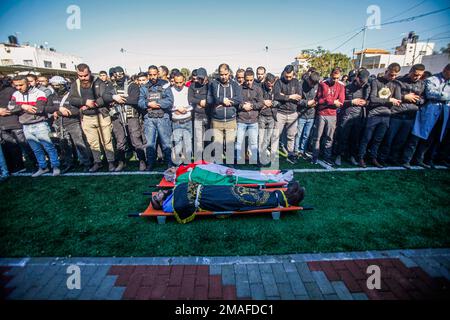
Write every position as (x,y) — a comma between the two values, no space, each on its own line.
(3,167)
(303,131)
(155,128)
(252,131)
(182,138)
(37,135)
(323,126)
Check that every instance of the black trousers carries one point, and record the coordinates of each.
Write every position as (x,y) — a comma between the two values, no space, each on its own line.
(16,145)
(137,137)
(374,131)
(418,146)
(74,140)
(395,139)
(348,135)
(120,137)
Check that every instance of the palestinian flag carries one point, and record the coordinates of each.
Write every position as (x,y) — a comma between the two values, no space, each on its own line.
(214,174)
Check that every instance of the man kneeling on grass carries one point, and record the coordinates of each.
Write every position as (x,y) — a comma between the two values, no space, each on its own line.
(188,198)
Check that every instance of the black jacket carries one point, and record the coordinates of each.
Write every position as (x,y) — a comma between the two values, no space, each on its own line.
(272,111)
(55,100)
(12,121)
(408,109)
(354,91)
(253,95)
(379,106)
(196,93)
(98,88)
(308,93)
(217,93)
(282,89)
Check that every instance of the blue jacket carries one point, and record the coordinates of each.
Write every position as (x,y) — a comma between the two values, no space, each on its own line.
(437,92)
(161,88)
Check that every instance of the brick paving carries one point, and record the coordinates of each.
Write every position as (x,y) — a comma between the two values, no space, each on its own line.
(405,275)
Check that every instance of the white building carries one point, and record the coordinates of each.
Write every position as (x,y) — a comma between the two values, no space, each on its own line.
(301,62)
(408,53)
(13,54)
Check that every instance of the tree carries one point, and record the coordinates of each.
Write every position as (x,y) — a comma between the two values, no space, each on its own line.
(324,61)
(186,72)
(446,49)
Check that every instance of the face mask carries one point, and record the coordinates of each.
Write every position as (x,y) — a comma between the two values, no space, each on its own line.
(60,90)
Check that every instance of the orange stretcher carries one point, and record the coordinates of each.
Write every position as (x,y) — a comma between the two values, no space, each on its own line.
(161,215)
(166,184)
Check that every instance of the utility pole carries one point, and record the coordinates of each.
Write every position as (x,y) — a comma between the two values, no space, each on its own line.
(362,48)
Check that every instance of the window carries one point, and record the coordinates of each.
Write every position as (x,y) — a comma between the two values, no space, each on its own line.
(382,65)
(28,62)
(7,62)
(47,64)
(63,66)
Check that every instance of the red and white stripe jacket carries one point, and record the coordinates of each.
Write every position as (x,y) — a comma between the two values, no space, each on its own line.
(33,97)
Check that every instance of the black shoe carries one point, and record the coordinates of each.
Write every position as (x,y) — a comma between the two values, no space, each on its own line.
(406,165)
(292,159)
(423,164)
(382,162)
(376,163)
(362,164)
(66,169)
(95,167)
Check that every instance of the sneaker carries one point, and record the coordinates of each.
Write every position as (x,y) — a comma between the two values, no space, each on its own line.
(328,163)
(111,167)
(142,165)
(56,171)
(382,162)
(362,164)
(423,164)
(314,161)
(406,165)
(292,159)
(338,161)
(40,172)
(376,163)
(120,166)
(353,161)
(95,167)
(308,155)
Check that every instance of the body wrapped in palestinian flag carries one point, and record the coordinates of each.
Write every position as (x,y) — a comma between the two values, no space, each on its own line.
(189,198)
(214,174)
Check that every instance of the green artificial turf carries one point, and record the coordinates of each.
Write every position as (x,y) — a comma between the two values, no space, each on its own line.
(87,216)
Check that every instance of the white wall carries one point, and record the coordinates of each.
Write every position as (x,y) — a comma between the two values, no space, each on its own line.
(18,54)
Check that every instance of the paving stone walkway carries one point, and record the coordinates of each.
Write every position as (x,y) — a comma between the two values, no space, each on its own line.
(405,275)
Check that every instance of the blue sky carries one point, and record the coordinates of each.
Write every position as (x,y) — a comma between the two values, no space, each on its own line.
(193,33)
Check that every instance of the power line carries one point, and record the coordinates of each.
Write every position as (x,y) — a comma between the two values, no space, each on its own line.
(394,22)
(403,12)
